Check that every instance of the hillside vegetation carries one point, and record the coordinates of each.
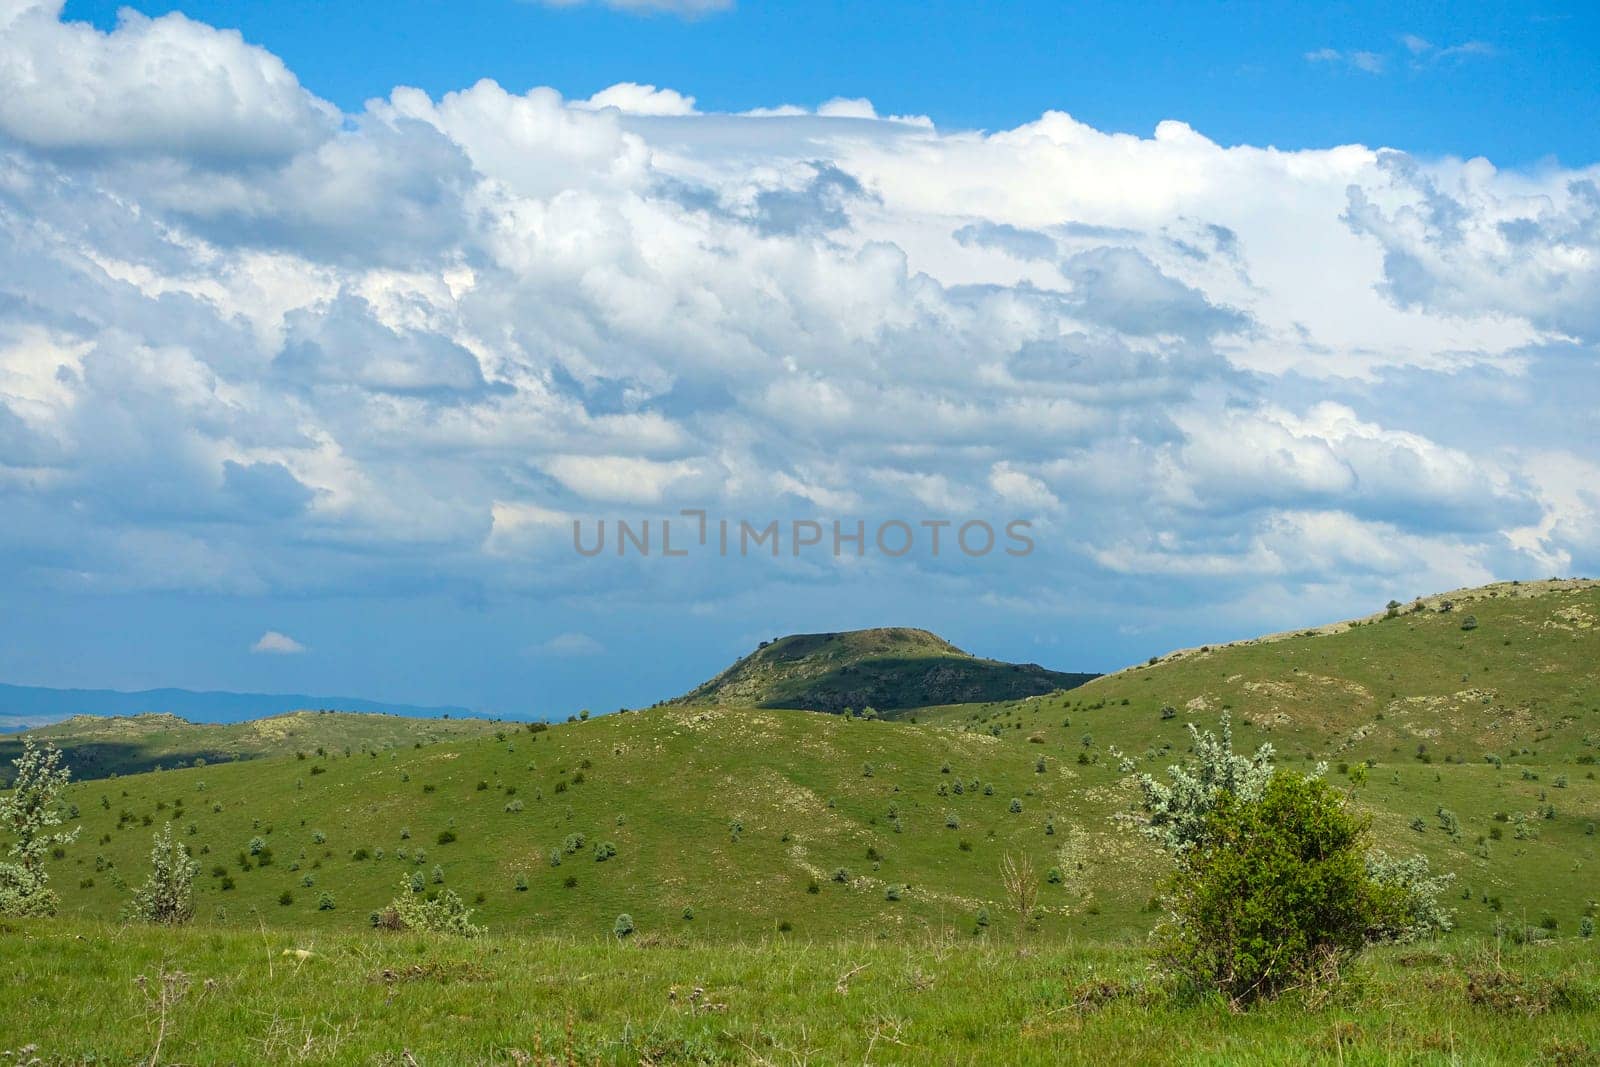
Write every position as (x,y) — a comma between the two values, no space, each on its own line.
(722,823)
(884,669)
(97,746)
(711,822)
(1510,670)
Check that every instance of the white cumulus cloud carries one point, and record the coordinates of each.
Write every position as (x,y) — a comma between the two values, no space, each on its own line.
(249,345)
(274,643)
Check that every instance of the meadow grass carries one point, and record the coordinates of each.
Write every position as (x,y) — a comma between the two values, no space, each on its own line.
(93,993)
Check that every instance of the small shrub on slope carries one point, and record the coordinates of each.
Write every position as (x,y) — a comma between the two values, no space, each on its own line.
(444,914)
(1273,893)
(167,895)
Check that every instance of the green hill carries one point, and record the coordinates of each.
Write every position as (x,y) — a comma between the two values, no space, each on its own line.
(722,823)
(97,746)
(886,669)
(733,813)
(1511,670)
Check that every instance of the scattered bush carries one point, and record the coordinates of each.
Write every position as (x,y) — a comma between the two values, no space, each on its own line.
(623,927)
(444,913)
(28,812)
(1410,891)
(167,895)
(1272,892)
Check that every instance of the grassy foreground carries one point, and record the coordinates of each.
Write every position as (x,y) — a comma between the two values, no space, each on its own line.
(84,992)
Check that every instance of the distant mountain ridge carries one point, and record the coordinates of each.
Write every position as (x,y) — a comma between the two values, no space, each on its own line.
(22,706)
(887,669)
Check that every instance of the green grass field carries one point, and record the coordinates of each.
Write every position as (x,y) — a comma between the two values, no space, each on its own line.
(89,993)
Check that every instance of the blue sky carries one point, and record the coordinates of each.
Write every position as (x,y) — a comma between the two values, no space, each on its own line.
(1506,81)
(322,324)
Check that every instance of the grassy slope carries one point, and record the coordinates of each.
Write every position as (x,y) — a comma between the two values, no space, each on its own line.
(88,993)
(885,668)
(676,778)
(97,746)
(1525,685)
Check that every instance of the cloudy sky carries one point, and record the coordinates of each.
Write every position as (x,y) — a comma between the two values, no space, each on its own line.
(317,334)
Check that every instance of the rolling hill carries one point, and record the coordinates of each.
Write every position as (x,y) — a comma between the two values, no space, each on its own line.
(96,746)
(714,822)
(1511,670)
(886,669)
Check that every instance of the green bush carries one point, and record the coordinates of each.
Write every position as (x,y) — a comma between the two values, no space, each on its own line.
(1274,892)
(441,914)
(167,895)
(623,927)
